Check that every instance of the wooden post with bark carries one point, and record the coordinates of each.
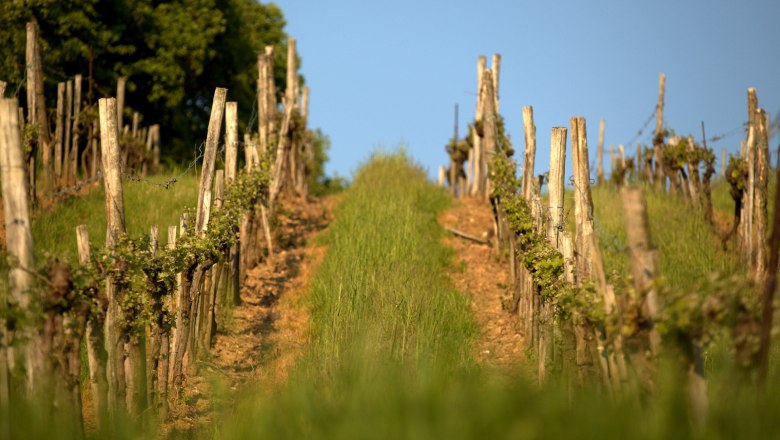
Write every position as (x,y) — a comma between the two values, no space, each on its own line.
(554,232)
(209,155)
(120,101)
(496,70)
(659,179)
(479,163)
(590,266)
(600,154)
(74,155)
(36,108)
(490,132)
(530,151)
(59,135)
(96,355)
(761,192)
(19,246)
(66,177)
(115,228)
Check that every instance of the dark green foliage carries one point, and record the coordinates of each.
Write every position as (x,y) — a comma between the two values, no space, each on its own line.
(173,53)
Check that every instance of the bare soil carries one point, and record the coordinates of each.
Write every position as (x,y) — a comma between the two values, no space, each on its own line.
(480,273)
(266,333)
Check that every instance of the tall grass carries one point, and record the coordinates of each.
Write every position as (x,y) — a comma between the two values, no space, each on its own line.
(54,232)
(389,348)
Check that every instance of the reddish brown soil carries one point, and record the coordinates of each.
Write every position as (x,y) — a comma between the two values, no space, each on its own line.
(268,331)
(486,280)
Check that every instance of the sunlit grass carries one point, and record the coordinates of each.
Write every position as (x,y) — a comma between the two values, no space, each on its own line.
(54,231)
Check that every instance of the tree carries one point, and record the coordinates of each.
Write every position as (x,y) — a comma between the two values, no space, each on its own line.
(173,54)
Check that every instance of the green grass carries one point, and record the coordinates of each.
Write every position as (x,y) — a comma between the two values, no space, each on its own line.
(54,232)
(688,248)
(390,343)
(389,348)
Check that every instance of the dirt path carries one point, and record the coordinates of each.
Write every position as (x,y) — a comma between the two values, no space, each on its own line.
(486,279)
(267,332)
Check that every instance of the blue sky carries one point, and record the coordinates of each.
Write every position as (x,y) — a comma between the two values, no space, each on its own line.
(389,73)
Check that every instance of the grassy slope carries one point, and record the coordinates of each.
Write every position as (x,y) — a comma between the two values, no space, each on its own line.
(389,347)
(54,232)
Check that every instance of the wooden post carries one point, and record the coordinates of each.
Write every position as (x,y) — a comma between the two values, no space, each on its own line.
(74,155)
(231,141)
(120,101)
(58,133)
(496,69)
(134,127)
(530,151)
(554,230)
(442,176)
(292,74)
(612,160)
(694,181)
(478,188)
(282,150)
(723,162)
(262,102)
(115,227)
(19,244)
(96,356)
(761,192)
(66,178)
(305,105)
(600,154)
(769,292)
(490,130)
(3,85)
(209,325)
(659,181)
(36,107)
(270,93)
(167,339)
(155,129)
(644,261)
(94,141)
(589,262)
(622,152)
(556,184)
(183,318)
(209,156)
(748,205)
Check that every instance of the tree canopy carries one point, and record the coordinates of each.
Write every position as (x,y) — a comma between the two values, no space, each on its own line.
(173,53)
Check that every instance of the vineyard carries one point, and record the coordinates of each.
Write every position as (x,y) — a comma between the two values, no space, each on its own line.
(500,303)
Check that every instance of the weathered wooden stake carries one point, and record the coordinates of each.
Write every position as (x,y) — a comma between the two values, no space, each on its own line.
(36,108)
(115,227)
(59,135)
(496,69)
(66,178)
(96,355)
(761,192)
(530,151)
(19,244)
(74,155)
(659,181)
(209,155)
(600,154)
(120,101)
(479,161)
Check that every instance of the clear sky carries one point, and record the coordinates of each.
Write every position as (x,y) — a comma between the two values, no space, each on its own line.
(384,73)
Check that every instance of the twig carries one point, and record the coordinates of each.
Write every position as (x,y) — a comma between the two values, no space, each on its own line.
(467,236)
